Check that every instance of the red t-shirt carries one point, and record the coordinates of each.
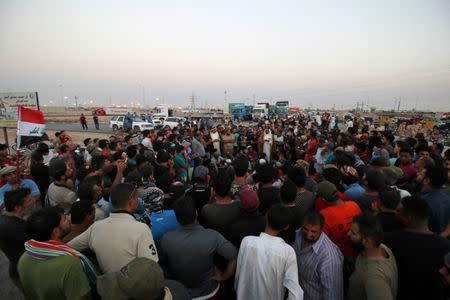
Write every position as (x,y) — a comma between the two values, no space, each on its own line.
(409,172)
(338,220)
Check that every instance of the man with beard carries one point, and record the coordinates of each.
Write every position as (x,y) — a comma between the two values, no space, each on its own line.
(431,180)
(50,269)
(319,260)
(375,275)
(419,253)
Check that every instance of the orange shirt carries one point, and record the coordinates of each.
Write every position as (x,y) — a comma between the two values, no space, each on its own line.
(338,220)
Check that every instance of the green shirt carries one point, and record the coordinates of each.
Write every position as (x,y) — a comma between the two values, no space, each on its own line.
(235,139)
(374,279)
(61,277)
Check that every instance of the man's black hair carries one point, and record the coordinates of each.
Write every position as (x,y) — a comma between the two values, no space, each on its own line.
(86,189)
(334,176)
(185,210)
(41,223)
(408,150)
(416,208)
(97,162)
(222,183)
(288,191)
(402,144)
(37,156)
(80,210)
(103,143)
(86,141)
(140,159)
(120,195)
(297,175)
(314,218)
(14,198)
(390,197)
(131,151)
(369,227)
(113,145)
(63,148)
(375,180)
(127,138)
(276,217)
(389,136)
(423,147)
(411,141)
(439,146)
(43,148)
(437,175)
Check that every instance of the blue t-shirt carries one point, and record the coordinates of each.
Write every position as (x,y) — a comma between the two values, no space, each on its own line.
(162,223)
(24,183)
(354,191)
(439,203)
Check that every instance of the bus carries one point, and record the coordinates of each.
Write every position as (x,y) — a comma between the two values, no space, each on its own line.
(282,108)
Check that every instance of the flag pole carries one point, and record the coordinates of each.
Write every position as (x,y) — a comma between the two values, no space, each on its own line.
(17,148)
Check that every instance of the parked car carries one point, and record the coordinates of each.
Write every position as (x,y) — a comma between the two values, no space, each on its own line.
(116,123)
(173,122)
(99,111)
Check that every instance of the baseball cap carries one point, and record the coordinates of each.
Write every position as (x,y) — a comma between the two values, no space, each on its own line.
(142,278)
(249,200)
(153,199)
(392,174)
(7,170)
(328,191)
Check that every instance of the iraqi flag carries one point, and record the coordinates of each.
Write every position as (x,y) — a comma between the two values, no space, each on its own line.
(30,127)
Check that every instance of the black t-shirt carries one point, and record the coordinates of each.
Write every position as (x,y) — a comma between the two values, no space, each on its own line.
(41,176)
(419,257)
(200,194)
(247,224)
(268,196)
(12,237)
(296,219)
(389,222)
(220,216)
(365,202)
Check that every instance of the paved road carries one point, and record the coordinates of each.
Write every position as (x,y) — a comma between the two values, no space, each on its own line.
(76,127)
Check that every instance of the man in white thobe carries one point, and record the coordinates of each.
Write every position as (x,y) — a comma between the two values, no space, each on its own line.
(266,265)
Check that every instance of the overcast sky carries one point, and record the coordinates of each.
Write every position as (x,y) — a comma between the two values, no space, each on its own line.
(314,53)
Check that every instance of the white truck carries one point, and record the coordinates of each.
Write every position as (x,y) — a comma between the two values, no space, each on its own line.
(260,111)
(139,124)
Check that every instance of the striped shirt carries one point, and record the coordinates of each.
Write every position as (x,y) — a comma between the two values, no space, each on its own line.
(320,269)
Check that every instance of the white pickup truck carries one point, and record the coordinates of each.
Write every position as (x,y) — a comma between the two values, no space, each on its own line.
(173,122)
(116,123)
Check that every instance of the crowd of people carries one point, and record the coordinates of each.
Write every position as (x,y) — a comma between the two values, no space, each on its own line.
(281,209)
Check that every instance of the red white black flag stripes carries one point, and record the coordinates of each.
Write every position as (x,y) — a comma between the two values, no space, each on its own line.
(30,126)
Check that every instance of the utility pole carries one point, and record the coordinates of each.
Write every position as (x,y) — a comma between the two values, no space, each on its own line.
(193,101)
(143,96)
(76,101)
(398,108)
